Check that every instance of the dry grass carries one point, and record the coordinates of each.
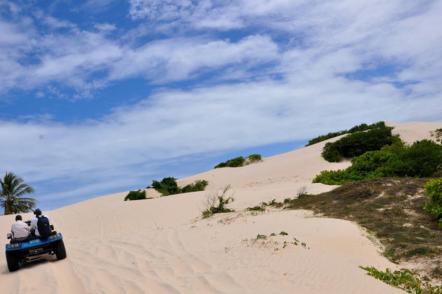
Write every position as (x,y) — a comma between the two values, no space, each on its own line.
(389,208)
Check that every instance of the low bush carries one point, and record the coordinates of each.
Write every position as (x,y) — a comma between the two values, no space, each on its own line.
(135,195)
(433,189)
(358,143)
(217,203)
(336,177)
(240,161)
(199,185)
(254,158)
(169,186)
(234,162)
(358,128)
(421,159)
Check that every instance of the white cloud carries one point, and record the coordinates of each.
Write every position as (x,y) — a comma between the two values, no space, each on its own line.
(178,59)
(177,124)
(291,70)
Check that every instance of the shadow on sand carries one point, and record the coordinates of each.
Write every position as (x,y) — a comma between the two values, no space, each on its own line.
(31,264)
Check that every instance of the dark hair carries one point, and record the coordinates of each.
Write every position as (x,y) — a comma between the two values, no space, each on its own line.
(37,212)
(18,217)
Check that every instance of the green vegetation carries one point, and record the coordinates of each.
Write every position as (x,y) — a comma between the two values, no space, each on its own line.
(240,161)
(13,188)
(433,189)
(168,186)
(217,203)
(135,195)
(358,128)
(234,162)
(198,185)
(437,134)
(404,279)
(254,158)
(358,143)
(421,159)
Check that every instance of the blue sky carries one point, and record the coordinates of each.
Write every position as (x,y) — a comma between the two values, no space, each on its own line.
(100,96)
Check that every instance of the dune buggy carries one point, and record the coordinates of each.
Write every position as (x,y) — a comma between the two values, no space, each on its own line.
(19,253)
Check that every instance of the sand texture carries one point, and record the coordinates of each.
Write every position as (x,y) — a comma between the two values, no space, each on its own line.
(163,246)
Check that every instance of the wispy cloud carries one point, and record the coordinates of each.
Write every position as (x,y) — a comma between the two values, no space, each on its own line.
(279,70)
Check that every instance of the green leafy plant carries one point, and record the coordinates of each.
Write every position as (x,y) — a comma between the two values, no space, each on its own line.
(135,195)
(433,189)
(404,279)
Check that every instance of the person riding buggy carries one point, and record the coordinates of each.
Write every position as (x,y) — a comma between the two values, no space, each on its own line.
(37,227)
(31,240)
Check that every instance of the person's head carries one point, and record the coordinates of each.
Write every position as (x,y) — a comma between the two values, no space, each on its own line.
(18,217)
(37,212)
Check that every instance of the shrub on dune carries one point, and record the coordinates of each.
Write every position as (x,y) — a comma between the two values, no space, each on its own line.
(199,185)
(168,186)
(358,128)
(217,203)
(254,158)
(135,195)
(421,159)
(240,161)
(358,143)
(234,162)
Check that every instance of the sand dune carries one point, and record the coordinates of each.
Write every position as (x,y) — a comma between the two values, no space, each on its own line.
(162,245)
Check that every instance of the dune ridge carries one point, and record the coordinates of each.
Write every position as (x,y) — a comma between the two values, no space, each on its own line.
(163,246)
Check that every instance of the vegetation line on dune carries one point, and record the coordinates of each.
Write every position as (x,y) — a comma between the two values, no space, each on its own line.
(405,279)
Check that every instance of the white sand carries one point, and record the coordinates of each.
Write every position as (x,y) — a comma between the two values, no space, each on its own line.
(162,245)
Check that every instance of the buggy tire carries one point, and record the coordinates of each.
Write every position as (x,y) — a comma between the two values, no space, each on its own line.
(13,261)
(59,250)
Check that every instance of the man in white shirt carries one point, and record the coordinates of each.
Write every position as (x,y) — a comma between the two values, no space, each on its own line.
(20,230)
(34,221)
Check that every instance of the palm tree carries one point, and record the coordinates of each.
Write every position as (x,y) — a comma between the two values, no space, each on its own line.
(12,190)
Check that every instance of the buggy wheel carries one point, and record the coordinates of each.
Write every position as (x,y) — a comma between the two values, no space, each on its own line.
(59,250)
(13,261)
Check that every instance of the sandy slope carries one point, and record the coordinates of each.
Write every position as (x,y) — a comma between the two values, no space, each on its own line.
(162,246)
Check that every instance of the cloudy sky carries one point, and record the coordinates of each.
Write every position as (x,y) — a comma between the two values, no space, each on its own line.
(100,96)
